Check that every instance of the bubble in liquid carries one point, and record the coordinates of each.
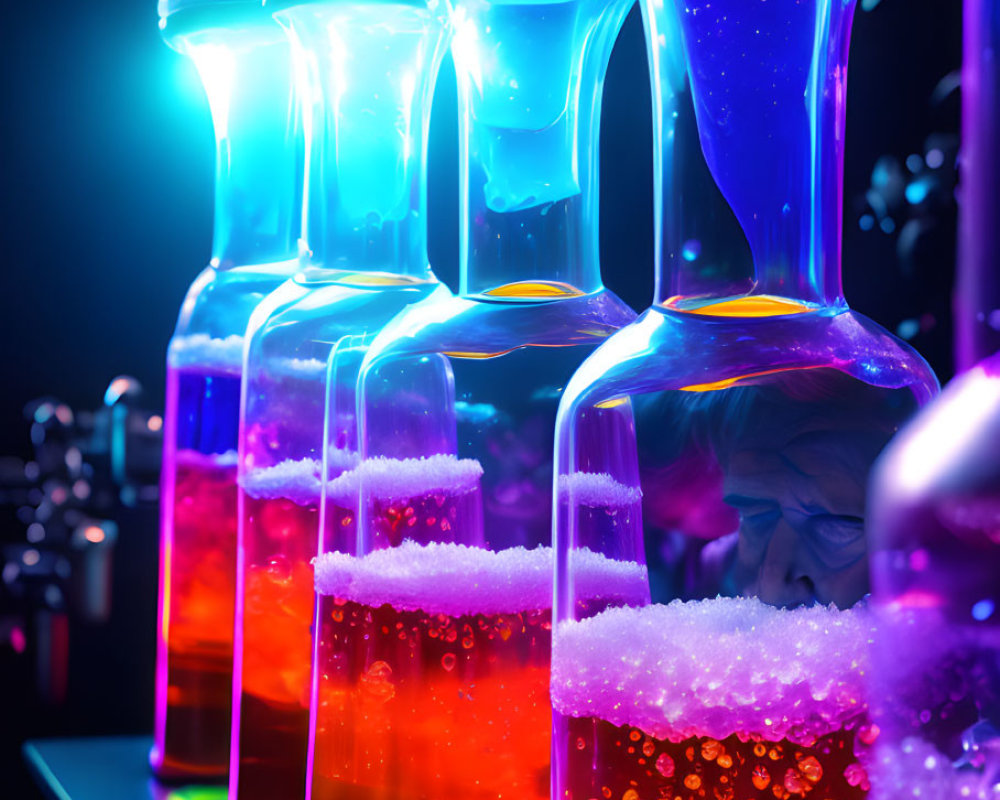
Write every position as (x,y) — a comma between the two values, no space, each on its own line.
(692,782)
(648,748)
(760,777)
(711,749)
(448,661)
(580,743)
(868,733)
(855,775)
(665,765)
(377,681)
(631,794)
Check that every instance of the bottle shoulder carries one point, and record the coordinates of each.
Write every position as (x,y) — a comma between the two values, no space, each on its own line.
(305,320)
(480,327)
(666,349)
(215,313)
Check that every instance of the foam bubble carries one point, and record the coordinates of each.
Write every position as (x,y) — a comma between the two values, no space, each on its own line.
(715,668)
(295,480)
(393,479)
(598,490)
(202,352)
(456,580)
(914,768)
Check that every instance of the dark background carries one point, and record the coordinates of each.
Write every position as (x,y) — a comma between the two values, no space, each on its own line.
(106,192)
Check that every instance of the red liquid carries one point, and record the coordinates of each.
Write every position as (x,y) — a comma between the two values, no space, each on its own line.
(280,541)
(199,598)
(608,761)
(424,706)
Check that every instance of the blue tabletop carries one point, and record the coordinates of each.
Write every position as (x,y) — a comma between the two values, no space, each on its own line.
(104,768)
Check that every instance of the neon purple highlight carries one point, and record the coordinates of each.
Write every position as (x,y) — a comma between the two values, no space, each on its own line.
(977,293)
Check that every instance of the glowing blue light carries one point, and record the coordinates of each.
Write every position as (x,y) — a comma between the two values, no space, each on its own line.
(917,191)
(888,225)
(907,329)
(867,222)
(914,163)
(691,250)
(983,610)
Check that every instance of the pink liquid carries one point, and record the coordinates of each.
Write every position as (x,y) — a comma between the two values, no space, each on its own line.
(199,589)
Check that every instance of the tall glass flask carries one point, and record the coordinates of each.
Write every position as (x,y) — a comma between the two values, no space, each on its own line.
(245,65)
(935,524)
(720,445)
(433,635)
(366,72)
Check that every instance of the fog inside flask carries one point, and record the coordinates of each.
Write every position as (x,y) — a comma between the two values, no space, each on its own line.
(246,69)
(366,73)
(745,409)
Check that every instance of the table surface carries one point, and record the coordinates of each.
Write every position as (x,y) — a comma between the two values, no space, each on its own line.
(105,768)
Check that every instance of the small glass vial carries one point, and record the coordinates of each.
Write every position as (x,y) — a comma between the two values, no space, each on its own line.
(720,445)
(433,634)
(245,65)
(935,508)
(366,72)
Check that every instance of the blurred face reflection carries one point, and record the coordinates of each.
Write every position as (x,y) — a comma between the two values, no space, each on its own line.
(790,463)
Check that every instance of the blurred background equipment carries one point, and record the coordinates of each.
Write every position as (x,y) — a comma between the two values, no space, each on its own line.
(77,565)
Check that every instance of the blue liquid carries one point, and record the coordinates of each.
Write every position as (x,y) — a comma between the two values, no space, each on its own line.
(208,412)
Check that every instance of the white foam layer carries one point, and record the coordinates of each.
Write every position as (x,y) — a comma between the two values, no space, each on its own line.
(192,458)
(201,352)
(457,580)
(391,479)
(297,481)
(715,668)
(597,490)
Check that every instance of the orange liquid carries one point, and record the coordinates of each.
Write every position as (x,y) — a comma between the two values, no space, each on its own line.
(199,620)
(433,707)
(609,761)
(281,540)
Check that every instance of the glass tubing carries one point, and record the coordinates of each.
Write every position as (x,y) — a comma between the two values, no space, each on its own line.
(245,66)
(691,447)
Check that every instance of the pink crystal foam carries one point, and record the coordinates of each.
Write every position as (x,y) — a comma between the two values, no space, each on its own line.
(597,490)
(715,668)
(393,479)
(295,480)
(457,580)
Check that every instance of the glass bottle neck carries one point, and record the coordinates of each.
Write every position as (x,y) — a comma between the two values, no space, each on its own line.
(977,296)
(749,107)
(247,75)
(529,104)
(366,74)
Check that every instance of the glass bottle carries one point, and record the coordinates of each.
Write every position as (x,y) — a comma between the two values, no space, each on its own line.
(245,65)
(935,527)
(367,73)
(434,634)
(718,448)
